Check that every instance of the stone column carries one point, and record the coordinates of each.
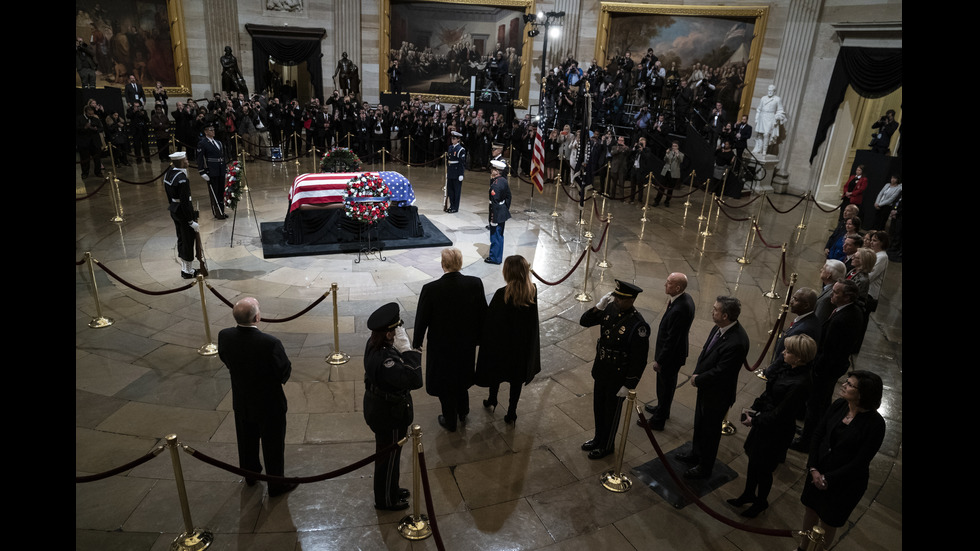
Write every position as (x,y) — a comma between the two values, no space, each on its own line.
(346,38)
(221,29)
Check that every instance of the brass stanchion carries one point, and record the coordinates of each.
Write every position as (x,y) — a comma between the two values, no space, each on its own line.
(727,427)
(99,321)
(588,232)
(316,159)
(760,372)
(337,357)
(192,539)
(382,159)
(701,216)
(296,147)
(112,162)
(707,224)
(616,480)
(415,526)
(744,259)
(771,293)
(806,210)
(813,539)
(605,248)
(348,140)
(688,203)
(208,348)
(758,215)
(584,296)
(646,202)
(554,213)
(408,160)
(116,201)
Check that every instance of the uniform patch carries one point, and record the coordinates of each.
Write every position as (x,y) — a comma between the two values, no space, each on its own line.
(622,330)
(389,363)
(642,332)
(492,192)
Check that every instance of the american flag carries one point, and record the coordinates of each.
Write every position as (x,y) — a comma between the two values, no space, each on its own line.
(330,187)
(537,161)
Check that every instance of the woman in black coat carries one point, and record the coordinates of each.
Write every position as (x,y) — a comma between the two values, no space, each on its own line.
(510,350)
(844,443)
(772,419)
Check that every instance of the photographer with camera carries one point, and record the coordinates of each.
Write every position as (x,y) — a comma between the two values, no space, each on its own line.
(882,138)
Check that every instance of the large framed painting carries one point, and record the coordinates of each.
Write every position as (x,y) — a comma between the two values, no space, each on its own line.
(143,38)
(720,43)
(440,44)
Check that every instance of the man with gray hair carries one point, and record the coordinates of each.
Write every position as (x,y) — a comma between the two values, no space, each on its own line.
(259,367)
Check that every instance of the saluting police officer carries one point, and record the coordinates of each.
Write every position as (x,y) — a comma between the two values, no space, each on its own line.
(182,212)
(457,166)
(621,356)
(392,369)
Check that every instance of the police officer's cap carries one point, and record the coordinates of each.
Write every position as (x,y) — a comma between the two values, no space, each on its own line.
(457,134)
(626,290)
(499,165)
(498,145)
(385,317)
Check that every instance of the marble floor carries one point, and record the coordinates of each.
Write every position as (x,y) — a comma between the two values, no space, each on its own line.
(495,486)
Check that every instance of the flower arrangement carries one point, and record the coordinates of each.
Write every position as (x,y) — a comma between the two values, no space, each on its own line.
(340,159)
(233,184)
(357,200)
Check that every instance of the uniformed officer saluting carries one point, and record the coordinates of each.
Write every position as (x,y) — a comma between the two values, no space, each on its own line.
(621,356)
(391,370)
(454,172)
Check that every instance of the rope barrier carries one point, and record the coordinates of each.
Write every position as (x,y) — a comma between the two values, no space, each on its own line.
(428,502)
(605,229)
(764,242)
(721,210)
(138,289)
(273,320)
(769,200)
(98,189)
(579,261)
(821,209)
(121,468)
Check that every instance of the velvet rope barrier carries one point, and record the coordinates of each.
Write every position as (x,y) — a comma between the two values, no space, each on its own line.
(98,189)
(697,501)
(605,229)
(428,502)
(821,209)
(720,209)
(579,261)
(791,209)
(122,468)
(138,289)
(274,320)
(758,232)
(286,479)
(780,322)
(747,203)
(144,182)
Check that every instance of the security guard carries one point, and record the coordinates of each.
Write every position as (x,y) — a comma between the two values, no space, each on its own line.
(392,369)
(182,212)
(621,356)
(457,166)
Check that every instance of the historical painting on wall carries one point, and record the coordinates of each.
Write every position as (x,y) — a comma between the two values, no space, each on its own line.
(439,45)
(127,38)
(712,49)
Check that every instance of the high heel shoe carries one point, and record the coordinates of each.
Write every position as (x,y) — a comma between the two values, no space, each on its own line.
(510,418)
(755,509)
(740,500)
(491,405)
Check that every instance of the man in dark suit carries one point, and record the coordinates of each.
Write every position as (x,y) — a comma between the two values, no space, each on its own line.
(620,358)
(642,166)
(259,367)
(742,131)
(803,304)
(670,352)
(212,163)
(716,377)
(451,311)
(839,338)
(134,92)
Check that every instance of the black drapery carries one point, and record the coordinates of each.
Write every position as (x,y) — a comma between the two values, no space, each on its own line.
(288,46)
(872,72)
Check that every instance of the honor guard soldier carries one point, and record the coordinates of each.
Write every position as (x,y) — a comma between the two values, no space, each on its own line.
(621,356)
(178,189)
(456,159)
(499,210)
(392,369)
(497,152)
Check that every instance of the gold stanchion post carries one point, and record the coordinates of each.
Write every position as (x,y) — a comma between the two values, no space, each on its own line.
(337,357)
(727,427)
(758,215)
(806,210)
(208,348)
(707,184)
(813,539)
(99,321)
(688,203)
(116,201)
(744,259)
(584,296)
(193,539)
(616,480)
(415,526)
(588,232)
(771,293)
(554,212)
(296,147)
(605,248)
(316,159)
(646,202)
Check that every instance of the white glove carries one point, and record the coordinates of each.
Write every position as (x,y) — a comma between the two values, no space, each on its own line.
(206,177)
(460,178)
(623,391)
(606,300)
(402,344)
(195,226)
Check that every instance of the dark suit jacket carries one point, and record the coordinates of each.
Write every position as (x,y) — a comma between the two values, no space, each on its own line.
(259,367)
(718,368)
(840,337)
(134,93)
(451,310)
(824,307)
(672,336)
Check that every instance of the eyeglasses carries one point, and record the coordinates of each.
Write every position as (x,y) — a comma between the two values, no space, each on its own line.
(847,384)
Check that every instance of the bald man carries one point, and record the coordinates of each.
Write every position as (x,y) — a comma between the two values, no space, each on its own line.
(670,352)
(259,367)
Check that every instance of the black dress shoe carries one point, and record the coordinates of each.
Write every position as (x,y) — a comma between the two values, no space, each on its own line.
(396,506)
(404,494)
(445,425)
(755,509)
(186,275)
(589,446)
(221,217)
(651,409)
(688,458)
(654,425)
(800,446)
(696,473)
(462,419)
(250,482)
(599,453)
(283,489)
(740,500)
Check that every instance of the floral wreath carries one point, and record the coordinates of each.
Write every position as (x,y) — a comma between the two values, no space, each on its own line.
(357,199)
(233,184)
(340,159)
